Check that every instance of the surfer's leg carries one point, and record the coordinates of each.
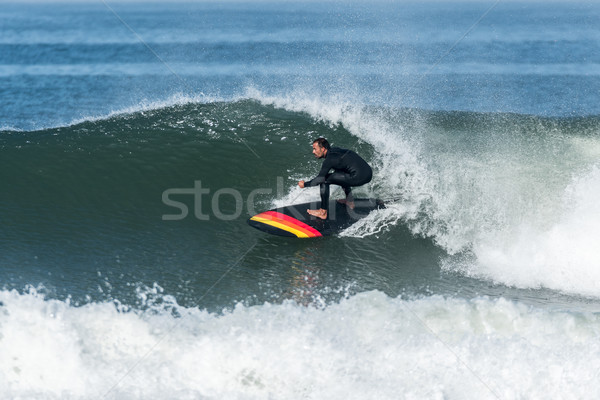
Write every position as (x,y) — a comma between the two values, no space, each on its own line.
(324,189)
(346,181)
(348,191)
(349,200)
(322,212)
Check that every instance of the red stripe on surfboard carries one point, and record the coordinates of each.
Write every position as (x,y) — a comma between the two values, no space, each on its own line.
(282,224)
(291,220)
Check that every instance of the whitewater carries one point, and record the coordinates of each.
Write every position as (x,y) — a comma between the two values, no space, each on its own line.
(370,345)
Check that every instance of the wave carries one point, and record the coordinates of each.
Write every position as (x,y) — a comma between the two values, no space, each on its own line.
(364,346)
(509,197)
(504,195)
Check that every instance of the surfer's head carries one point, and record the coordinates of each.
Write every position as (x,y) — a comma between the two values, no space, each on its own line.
(320,147)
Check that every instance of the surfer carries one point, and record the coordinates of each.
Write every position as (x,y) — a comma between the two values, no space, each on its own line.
(349,169)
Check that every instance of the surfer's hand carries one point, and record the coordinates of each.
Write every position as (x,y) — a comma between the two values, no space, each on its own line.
(301,184)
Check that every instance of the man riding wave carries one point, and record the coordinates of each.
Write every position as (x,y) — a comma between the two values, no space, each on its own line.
(349,170)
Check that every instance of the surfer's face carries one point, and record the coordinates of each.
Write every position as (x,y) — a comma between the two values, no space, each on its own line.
(319,151)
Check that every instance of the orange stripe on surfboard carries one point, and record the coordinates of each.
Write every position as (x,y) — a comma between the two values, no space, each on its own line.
(287,223)
(293,221)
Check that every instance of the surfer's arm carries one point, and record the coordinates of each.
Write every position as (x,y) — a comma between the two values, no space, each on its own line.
(322,175)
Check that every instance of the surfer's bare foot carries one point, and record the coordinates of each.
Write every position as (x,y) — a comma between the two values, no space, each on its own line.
(346,202)
(318,213)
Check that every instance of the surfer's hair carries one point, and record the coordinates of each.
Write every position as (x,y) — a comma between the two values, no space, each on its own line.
(322,143)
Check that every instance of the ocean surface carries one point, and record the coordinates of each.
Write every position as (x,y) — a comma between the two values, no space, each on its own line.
(137,138)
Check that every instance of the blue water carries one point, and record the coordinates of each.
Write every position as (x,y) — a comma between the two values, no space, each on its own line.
(482,120)
(57,66)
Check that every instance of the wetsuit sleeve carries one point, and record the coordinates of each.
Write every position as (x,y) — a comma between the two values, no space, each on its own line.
(322,174)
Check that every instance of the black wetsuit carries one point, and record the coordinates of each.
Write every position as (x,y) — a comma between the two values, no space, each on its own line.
(349,169)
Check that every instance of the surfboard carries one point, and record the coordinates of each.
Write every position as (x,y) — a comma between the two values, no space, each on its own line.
(294,221)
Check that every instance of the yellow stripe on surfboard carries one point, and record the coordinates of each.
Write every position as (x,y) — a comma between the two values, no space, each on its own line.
(279,225)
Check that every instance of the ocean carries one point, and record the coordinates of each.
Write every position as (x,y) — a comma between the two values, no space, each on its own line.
(137,138)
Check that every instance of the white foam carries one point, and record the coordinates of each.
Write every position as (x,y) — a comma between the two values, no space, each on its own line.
(367,346)
(564,256)
(177,99)
(9,128)
(380,221)
(148,105)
